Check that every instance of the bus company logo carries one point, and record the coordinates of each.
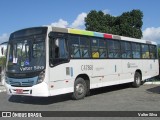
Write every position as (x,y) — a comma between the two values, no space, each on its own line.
(6,114)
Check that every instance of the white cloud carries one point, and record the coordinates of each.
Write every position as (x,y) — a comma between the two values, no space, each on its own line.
(61,23)
(106,11)
(152,34)
(79,21)
(4,37)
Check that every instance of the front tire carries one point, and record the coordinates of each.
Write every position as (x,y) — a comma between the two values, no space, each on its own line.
(137,80)
(80,89)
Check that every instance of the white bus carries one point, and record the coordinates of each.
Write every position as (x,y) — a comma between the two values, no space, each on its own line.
(49,61)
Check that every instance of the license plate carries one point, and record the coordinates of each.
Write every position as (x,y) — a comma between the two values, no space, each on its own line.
(19,91)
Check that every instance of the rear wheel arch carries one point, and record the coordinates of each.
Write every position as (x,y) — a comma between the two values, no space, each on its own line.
(140,72)
(86,78)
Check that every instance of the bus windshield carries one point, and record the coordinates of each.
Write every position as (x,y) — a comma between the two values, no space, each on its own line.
(26,55)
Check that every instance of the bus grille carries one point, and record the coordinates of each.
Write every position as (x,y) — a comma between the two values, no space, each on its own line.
(25,82)
(22,84)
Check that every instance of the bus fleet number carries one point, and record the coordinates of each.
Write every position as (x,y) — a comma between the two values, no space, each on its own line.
(86,67)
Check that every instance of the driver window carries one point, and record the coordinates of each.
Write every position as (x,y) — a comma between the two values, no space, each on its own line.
(60,48)
(56,50)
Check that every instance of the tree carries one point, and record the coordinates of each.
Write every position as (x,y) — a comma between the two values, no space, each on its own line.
(96,21)
(128,24)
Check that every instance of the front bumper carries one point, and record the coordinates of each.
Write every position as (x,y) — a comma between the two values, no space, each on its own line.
(39,90)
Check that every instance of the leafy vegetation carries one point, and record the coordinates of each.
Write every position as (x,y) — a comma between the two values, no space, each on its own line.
(128,24)
(2,61)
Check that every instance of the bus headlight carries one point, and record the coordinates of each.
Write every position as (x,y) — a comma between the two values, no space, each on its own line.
(41,77)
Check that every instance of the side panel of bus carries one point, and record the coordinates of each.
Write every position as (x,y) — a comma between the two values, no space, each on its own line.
(106,72)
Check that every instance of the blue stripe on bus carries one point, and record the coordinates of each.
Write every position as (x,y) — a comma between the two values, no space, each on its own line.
(98,34)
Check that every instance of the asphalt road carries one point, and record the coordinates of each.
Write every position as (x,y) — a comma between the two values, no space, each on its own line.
(114,98)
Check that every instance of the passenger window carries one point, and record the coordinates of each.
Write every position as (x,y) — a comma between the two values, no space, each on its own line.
(153,51)
(102,48)
(79,47)
(74,47)
(145,51)
(84,47)
(126,50)
(114,49)
(136,50)
(95,48)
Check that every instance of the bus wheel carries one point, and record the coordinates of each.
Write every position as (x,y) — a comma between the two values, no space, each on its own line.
(137,80)
(80,89)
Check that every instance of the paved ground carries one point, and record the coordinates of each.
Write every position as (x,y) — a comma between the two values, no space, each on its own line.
(115,98)
(2,88)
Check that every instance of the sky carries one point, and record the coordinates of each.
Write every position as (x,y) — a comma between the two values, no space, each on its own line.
(19,14)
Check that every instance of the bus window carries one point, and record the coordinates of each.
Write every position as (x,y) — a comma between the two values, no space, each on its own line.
(84,47)
(60,48)
(153,51)
(74,47)
(136,50)
(38,49)
(58,51)
(145,51)
(126,50)
(102,48)
(114,49)
(95,48)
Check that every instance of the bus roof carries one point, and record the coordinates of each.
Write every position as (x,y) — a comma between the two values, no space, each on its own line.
(99,34)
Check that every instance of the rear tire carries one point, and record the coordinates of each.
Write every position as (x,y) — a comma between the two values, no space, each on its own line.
(80,89)
(137,80)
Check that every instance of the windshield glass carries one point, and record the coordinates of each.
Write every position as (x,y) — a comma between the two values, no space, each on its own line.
(26,55)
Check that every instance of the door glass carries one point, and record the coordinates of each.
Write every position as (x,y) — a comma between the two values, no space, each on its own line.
(58,51)
(60,48)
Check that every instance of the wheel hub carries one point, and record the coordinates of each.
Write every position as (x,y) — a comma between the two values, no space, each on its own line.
(138,80)
(79,89)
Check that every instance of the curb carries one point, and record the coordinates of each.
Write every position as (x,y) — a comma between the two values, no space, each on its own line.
(152,83)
